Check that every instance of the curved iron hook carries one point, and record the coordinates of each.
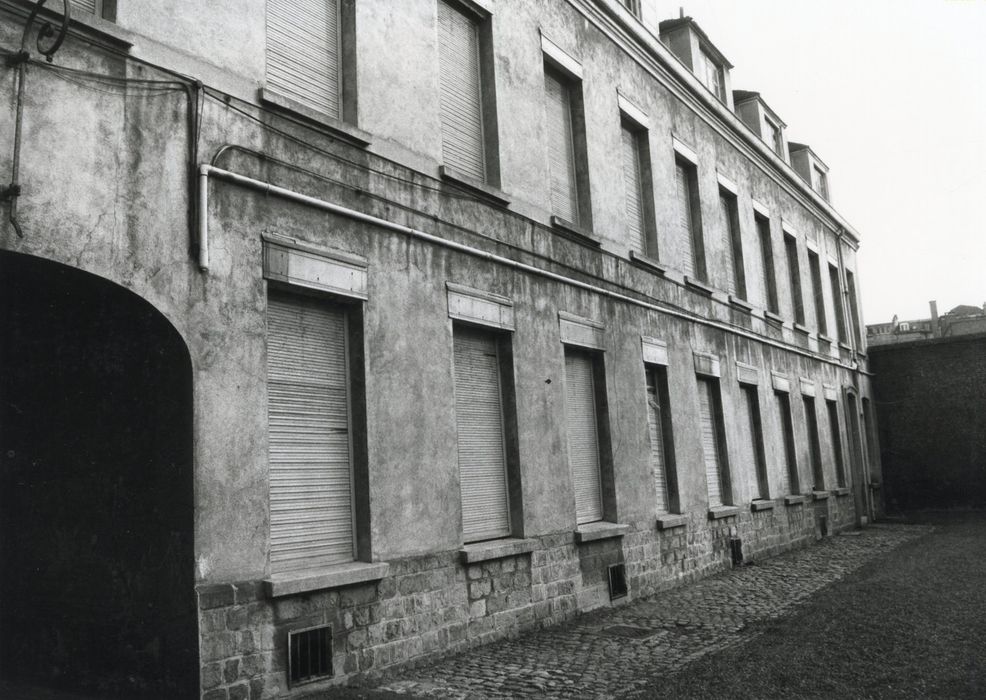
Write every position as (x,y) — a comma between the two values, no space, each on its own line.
(47,30)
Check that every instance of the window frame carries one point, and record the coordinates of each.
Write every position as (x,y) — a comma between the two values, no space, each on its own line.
(818,292)
(721,457)
(765,238)
(835,428)
(835,282)
(645,185)
(792,255)
(750,393)
(791,468)
(734,238)
(576,130)
(656,375)
(814,442)
(694,236)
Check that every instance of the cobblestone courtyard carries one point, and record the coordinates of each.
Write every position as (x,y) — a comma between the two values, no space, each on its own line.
(620,652)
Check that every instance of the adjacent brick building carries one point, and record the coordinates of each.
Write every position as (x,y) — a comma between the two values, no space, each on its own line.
(342,334)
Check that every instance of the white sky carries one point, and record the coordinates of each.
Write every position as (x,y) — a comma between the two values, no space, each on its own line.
(891,94)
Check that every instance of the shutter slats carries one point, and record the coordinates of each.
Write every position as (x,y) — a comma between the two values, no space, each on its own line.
(685,224)
(303,58)
(561,148)
(633,187)
(710,442)
(747,446)
(86,6)
(583,437)
(311,521)
(479,424)
(656,434)
(461,95)
(727,243)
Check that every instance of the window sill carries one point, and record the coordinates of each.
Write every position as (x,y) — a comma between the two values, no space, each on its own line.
(875,485)
(698,286)
(819,495)
(740,303)
(344,131)
(647,262)
(800,328)
(759,505)
(308,580)
(671,521)
(84,25)
(573,232)
(794,500)
(847,348)
(495,549)
(824,338)
(720,512)
(841,491)
(771,317)
(473,185)
(590,532)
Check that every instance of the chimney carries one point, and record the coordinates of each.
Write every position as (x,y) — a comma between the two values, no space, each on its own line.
(935,328)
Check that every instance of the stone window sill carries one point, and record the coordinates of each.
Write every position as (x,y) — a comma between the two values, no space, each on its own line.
(327,577)
(826,339)
(740,303)
(671,521)
(647,262)
(759,505)
(346,132)
(495,549)
(845,346)
(720,512)
(819,495)
(699,286)
(574,232)
(794,499)
(875,484)
(841,491)
(590,532)
(773,318)
(802,329)
(473,185)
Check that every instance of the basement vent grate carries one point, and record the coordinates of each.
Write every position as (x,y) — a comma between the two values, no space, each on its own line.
(617,581)
(309,655)
(628,632)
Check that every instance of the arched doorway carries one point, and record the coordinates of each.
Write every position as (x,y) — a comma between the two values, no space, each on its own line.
(96,509)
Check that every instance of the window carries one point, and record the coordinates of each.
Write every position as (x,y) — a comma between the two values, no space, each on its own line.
(872,447)
(840,314)
(582,417)
(466,148)
(821,182)
(566,148)
(774,136)
(633,6)
(767,262)
(637,188)
(711,75)
(310,433)
(305,56)
(713,442)
(790,454)
(814,448)
(104,9)
(751,438)
(689,219)
(794,271)
(733,243)
(815,266)
(480,432)
(853,308)
(840,465)
(661,439)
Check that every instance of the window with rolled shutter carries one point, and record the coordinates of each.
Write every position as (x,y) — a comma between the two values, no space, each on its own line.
(311,504)
(686,220)
(655,429)
(767,264)
(840,465)
(479,430)
(92,6)
(727,242)
(794,273)
(561,147)
(792,483)
(816,291)
(583,436)
(751,441)
(463,146)
(303,53)
(814,446)
(633,178)
(709,434)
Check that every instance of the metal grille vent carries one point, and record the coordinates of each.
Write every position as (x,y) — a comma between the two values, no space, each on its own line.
(309,655)
(617,581)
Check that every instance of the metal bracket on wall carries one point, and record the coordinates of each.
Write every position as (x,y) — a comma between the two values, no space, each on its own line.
(49,40)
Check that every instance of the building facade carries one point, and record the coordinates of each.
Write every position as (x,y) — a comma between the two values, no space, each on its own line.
(960,320)
(348,333)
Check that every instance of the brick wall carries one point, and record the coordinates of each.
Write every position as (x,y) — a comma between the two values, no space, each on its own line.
(931,413)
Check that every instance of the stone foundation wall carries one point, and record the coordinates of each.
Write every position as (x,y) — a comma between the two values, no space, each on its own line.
(436,605)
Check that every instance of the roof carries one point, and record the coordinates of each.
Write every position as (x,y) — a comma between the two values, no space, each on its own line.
(965,310)
(670,25)
(793,146)
(741,96)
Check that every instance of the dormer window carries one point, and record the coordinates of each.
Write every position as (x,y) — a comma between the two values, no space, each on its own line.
(773,136)
(811,168)
(821,184)
(693,48)
(711,76)
(762,120)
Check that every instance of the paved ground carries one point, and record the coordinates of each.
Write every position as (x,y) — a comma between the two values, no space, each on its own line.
(622,652)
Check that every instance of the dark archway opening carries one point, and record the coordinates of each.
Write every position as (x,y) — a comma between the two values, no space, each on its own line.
(96,504)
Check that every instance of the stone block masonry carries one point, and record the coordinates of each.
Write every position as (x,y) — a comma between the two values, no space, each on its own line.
(435,605)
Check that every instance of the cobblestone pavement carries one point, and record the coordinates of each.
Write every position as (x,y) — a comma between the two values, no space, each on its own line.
(618,651)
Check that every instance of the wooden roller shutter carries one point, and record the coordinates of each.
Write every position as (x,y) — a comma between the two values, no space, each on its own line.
(727,243)
(311,517)
(561,148)
(633,187)
(461,106)
(479,423)
(710,442)
(583,437)
(87,6)
(685,223)
(748,437)
(656,433)
(303,58)
(840,465)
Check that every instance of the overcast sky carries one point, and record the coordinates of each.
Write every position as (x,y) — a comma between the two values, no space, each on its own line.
(891,94)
